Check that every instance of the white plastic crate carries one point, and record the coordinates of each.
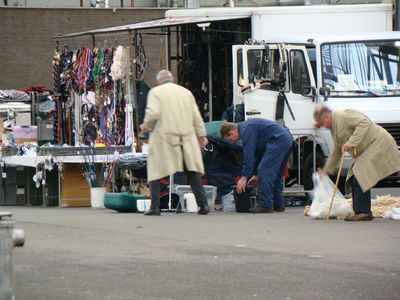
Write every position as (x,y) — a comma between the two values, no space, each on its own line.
(211,193)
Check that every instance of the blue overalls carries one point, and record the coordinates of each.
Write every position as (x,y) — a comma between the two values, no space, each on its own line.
(271,143)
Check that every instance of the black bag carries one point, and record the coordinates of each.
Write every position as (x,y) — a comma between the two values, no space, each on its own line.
(209,152)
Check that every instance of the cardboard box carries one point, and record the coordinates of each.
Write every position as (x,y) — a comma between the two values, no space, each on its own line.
(20,142)
(3,131)
(75,190)
(74,185)
(23,119)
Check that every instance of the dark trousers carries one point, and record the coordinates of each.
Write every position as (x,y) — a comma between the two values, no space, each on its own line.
(195,183)
(271,171)
(361,200)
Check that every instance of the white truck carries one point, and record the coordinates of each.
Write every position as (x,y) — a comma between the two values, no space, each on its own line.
(343,56)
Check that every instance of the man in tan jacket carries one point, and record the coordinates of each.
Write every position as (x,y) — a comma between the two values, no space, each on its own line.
(177,134)
(374,151)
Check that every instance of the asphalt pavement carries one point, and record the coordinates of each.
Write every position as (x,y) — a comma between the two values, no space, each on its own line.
(85,253)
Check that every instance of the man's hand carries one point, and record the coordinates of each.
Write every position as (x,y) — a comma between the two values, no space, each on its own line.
(346,147)
(254,180)
(203,141)
(322,173)
(241,185)
(143,128)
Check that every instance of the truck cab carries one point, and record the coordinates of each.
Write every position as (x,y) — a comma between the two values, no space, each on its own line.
(287,77)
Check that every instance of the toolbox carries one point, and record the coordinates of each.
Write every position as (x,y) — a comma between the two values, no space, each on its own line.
(246,200)
(122,202)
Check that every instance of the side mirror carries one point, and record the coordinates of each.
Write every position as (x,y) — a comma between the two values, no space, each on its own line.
(325,91)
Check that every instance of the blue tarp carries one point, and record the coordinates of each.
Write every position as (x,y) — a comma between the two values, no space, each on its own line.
(224,165)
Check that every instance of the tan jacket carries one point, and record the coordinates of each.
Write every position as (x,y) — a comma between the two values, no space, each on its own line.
(176,124)
(376,155)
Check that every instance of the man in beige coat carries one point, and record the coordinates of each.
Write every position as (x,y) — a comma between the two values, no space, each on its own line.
(177,133)
(374,151)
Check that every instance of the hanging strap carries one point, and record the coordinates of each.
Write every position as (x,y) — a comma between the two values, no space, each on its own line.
(160,56)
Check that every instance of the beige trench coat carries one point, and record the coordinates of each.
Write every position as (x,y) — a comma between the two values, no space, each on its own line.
(376,155)
(176,124)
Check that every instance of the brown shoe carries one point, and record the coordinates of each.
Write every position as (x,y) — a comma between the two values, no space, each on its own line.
(359,217)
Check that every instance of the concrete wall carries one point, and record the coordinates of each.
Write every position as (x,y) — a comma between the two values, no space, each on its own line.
(27,46)
(181,3)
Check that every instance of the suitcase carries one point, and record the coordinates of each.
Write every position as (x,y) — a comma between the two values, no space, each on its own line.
(122,202)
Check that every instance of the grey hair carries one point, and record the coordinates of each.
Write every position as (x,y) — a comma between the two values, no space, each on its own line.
(320,112)
(164,74)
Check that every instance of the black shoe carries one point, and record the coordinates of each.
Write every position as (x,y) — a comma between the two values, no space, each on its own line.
(153,212)
(260,209)
(204,209)
(279,208)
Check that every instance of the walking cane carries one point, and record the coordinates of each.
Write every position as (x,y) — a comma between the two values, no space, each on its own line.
(334,191)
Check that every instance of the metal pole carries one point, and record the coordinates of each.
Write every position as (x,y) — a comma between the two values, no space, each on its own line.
(9,238)
(210,87)
(134,72)
(177,48)
(397,16)
(169,49)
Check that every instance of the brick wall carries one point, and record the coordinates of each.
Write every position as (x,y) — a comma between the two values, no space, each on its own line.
(27,45)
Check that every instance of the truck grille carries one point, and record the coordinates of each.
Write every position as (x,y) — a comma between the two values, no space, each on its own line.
(393,129)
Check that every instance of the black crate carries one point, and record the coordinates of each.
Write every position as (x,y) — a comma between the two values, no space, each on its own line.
(246,200)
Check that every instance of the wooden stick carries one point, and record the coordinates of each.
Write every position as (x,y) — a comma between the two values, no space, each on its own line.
(337,182)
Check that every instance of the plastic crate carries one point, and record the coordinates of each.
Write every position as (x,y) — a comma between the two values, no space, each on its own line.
(211,193)
(71,151)
(112,150)
(58,151)
(245,200)
(9,150)
(26,132)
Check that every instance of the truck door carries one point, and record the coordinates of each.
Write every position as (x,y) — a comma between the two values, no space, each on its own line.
(241,70)
(281,62)
(300,97)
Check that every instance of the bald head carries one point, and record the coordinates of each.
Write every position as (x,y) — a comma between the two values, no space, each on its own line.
(323,116)
(164,75)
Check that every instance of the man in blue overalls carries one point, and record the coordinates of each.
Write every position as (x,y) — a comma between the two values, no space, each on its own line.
(266,147)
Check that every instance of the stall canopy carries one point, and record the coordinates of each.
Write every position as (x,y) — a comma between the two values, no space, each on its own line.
(159,23)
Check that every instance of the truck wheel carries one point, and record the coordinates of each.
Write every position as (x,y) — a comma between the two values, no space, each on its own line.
(308,169)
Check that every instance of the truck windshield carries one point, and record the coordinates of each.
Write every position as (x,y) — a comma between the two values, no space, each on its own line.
(361,69)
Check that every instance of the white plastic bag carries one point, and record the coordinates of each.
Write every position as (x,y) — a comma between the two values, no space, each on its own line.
(393,213)
(228,202)
(322,196)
